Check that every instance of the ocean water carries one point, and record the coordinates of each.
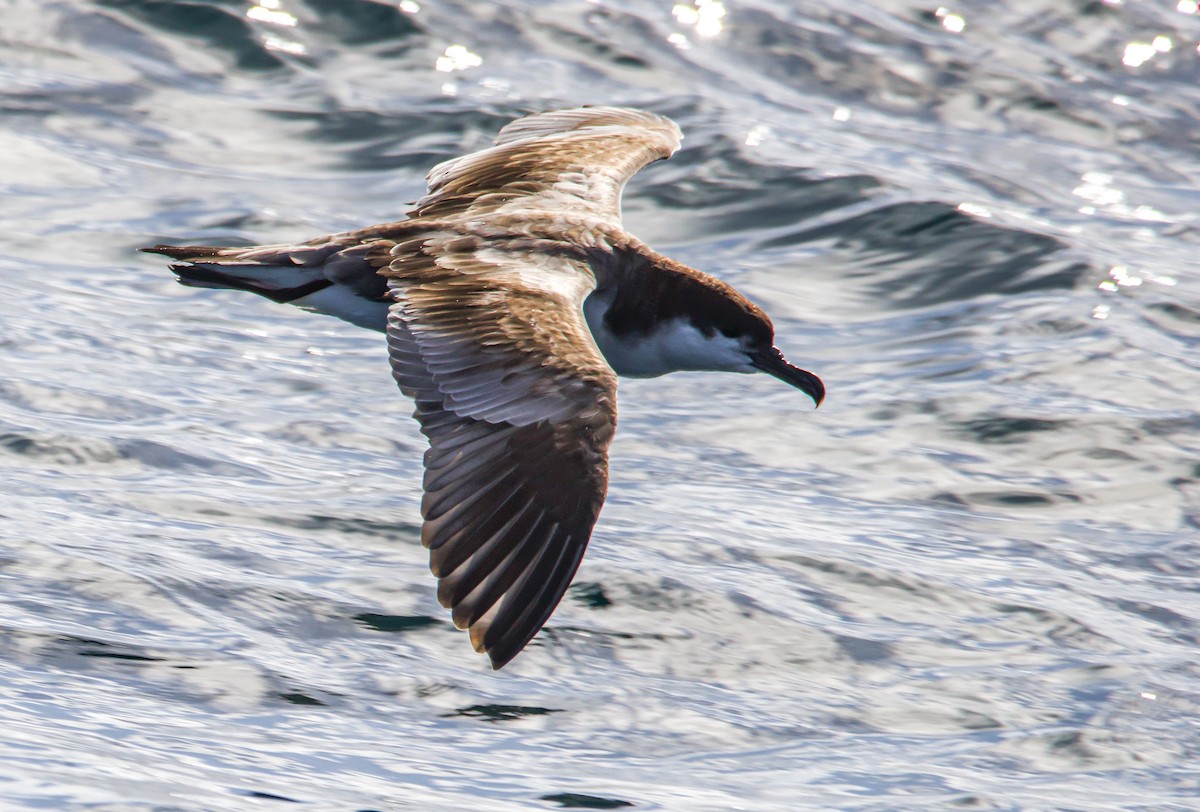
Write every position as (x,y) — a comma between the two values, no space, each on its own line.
(968,581)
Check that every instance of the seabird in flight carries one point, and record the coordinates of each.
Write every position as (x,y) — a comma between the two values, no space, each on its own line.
(512,298)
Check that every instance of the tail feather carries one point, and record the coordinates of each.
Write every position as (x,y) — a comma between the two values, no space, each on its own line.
(298,255)
(326,277)
(187,253)
(281,285)
(280,273)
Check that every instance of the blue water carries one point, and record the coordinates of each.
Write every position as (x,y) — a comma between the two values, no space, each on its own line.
(968,581)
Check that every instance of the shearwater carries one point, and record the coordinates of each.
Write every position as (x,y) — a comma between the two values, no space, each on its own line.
(512,298)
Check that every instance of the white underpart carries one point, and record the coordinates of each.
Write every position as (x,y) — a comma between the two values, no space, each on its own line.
(344,303)
(674,347)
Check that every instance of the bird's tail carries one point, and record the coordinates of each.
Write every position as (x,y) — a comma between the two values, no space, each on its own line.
(269,273)
(330,278)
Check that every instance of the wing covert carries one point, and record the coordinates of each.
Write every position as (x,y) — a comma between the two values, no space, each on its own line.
(565,161)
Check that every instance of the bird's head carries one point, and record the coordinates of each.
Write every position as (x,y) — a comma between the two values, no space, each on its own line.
(705,324)
(755,336)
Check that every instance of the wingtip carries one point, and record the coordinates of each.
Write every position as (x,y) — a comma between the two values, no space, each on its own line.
(498,655)
(495,659)
(498,661)
(186,253)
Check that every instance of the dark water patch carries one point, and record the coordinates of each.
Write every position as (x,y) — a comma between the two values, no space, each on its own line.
(559,631)
(893,410)
(724,192)
(861,650)
(605,45)
(922,254)
(65,450)
(96,648)
(217,25)
(575,800)
(297,698)
(948,368)
(196,224)
(1112,454)
(595,48)
(1057,626)
(189,678)
(342,525)
(1076,748)
(376,141)
(157,455)
(405,532)
(1179,318)
(362,22)
(54,449)
(1182,627)
(974,721)
(1008,430)
(869,783)
(1071,743)
(862,576)
(51,398)
(63,650)
(397,624)
(855,55)
(501,713)
(88,97)
(1179,561)
(610,41)
(1017,499)
(260,795)
(1033,111)
(667,595)
(1187,424)
(589,594)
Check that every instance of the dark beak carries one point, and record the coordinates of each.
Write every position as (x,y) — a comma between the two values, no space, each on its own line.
(771,361)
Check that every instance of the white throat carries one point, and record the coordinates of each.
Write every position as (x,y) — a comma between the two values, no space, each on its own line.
(674,347)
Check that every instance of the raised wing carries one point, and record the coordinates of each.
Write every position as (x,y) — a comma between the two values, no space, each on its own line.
(519,408)
(563,162)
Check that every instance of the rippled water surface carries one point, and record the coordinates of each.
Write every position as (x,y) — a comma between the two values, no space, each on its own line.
(968,581)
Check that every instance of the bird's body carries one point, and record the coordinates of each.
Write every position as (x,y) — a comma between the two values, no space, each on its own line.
(512,298)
